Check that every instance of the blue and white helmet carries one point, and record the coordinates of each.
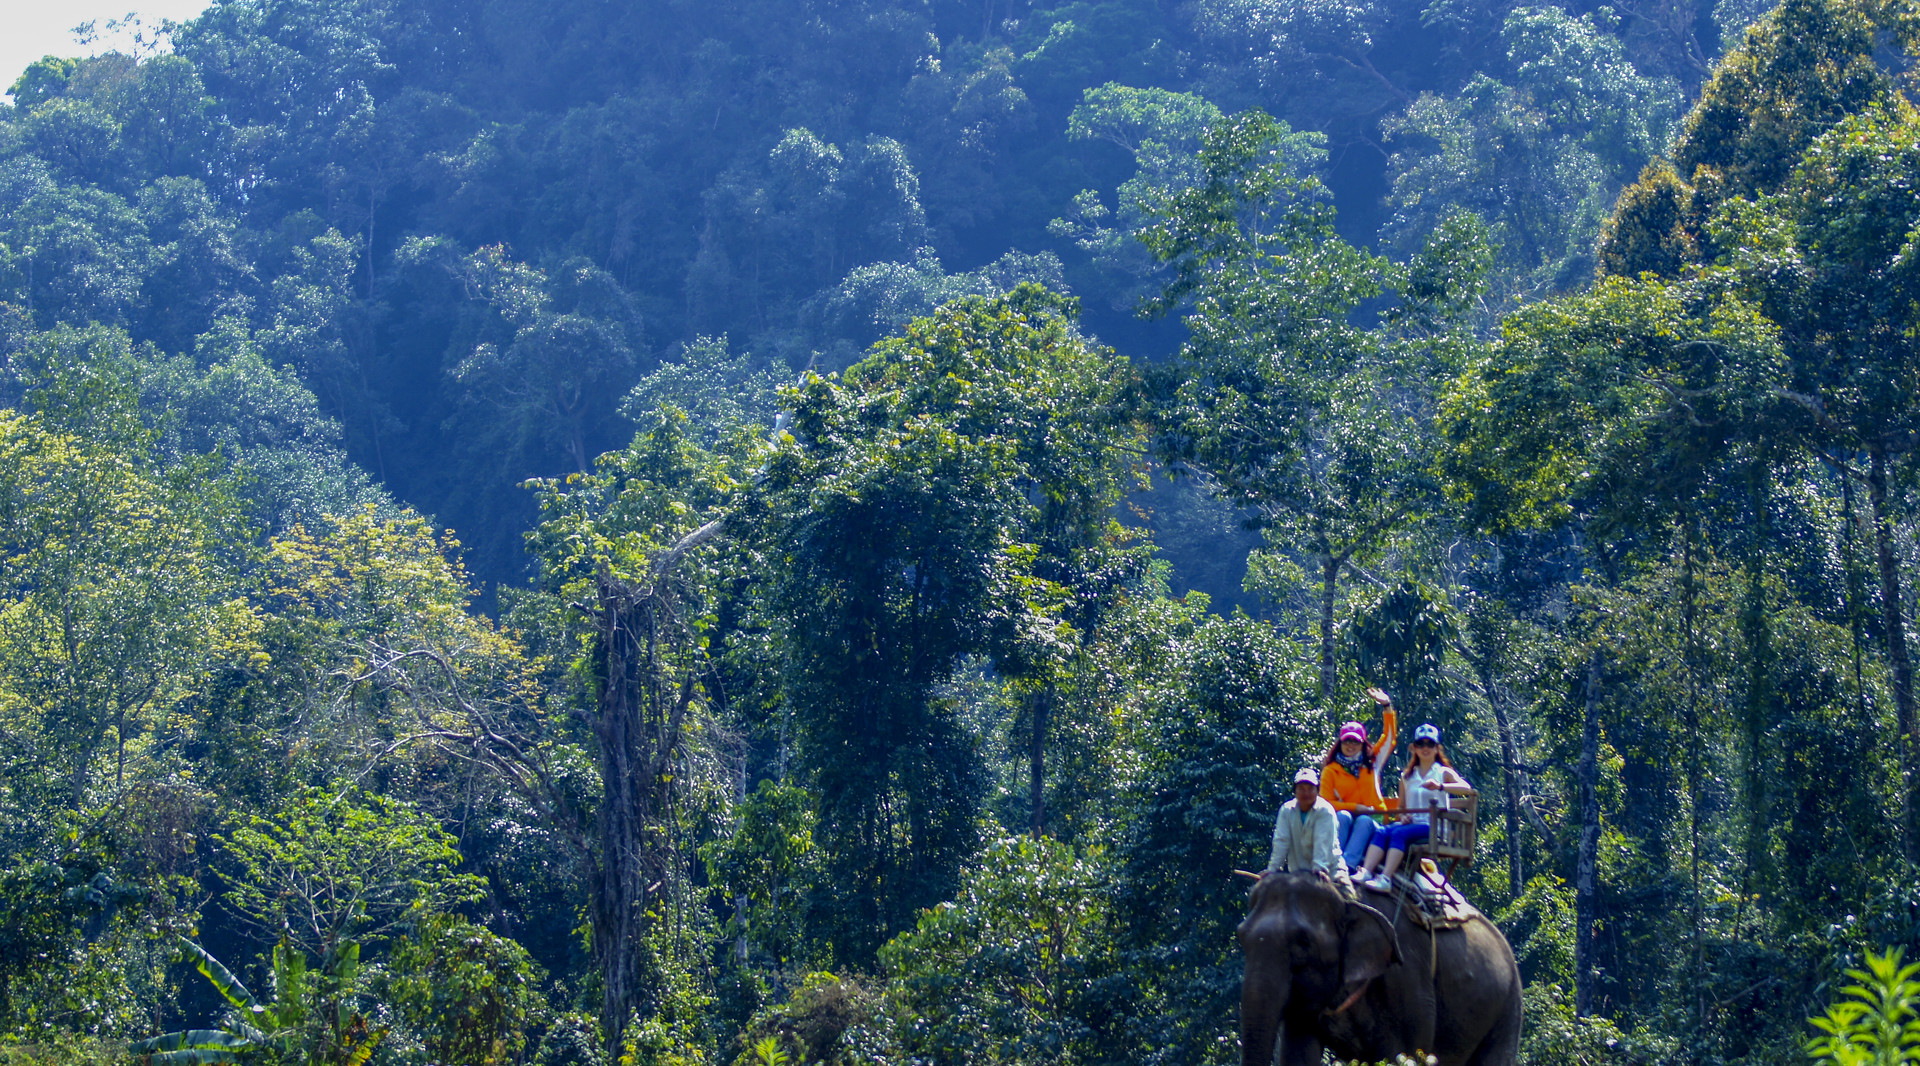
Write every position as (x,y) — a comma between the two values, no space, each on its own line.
(1427,731)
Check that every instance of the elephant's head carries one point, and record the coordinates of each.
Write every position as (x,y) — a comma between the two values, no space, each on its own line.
(1309,951)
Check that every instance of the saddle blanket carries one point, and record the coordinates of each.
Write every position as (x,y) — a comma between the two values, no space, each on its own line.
(1431,900)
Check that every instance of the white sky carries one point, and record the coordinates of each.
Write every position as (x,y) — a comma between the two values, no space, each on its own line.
(30,29)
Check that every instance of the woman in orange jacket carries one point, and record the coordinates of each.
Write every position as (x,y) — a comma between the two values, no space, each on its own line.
(1350,779)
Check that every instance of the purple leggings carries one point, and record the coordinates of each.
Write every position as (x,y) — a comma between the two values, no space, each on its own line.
(1401,835)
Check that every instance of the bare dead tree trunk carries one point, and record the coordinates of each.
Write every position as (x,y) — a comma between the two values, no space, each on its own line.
(619,909)
(638,726)
(1893,620)
(1586,885)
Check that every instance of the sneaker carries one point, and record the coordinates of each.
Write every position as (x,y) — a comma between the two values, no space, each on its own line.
(1378,882)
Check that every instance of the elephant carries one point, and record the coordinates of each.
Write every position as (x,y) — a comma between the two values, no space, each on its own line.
(1326,973)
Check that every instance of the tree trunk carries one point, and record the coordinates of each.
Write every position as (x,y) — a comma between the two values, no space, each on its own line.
(1329,578)
(1586,886)
(1856,599)
(638,728)
(741,948)
(1037,760)
(578,446)
(1695,769)
(373,204)
(1511,778)
(619,910)
(1893,620)
(1760,712)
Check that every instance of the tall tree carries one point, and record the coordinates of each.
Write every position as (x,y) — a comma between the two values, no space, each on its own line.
(1832,260)
(1611,413)
(625,548)
(934,504)
(1288,403)
(1800,70)
(120,573)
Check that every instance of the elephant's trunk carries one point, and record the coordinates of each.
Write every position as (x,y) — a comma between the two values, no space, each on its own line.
(1263,993)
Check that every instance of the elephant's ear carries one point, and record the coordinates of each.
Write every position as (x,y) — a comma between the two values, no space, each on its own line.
(1370,945)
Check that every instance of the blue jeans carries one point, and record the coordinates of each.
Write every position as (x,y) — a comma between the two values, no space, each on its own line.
(1355,834)
(1402,835)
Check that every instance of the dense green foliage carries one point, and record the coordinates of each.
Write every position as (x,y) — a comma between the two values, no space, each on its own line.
(473,227)
(932,472)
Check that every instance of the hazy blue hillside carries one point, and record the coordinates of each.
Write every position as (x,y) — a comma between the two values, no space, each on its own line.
(473,227)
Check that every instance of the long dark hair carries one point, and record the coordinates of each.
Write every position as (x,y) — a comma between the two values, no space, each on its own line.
(1439,755)
(1366,752)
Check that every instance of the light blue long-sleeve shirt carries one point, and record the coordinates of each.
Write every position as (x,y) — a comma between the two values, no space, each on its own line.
(1305,844)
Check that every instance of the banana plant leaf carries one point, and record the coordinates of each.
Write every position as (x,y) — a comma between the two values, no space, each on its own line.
(192,1047)
(191,1039)
(364,1051)
(222,978)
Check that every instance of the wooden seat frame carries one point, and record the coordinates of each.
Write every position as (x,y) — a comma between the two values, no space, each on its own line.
(1454,835)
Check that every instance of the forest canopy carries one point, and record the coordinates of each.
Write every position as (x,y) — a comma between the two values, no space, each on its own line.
(761,533)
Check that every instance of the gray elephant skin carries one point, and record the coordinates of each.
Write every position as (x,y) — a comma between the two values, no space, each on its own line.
(1327,974)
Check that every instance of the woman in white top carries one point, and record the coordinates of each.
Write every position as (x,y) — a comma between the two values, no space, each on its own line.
(1427,778)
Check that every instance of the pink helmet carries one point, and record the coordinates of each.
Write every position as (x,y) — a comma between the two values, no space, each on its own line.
(1353,731)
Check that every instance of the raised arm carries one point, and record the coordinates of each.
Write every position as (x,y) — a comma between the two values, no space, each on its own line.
(1389,736)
